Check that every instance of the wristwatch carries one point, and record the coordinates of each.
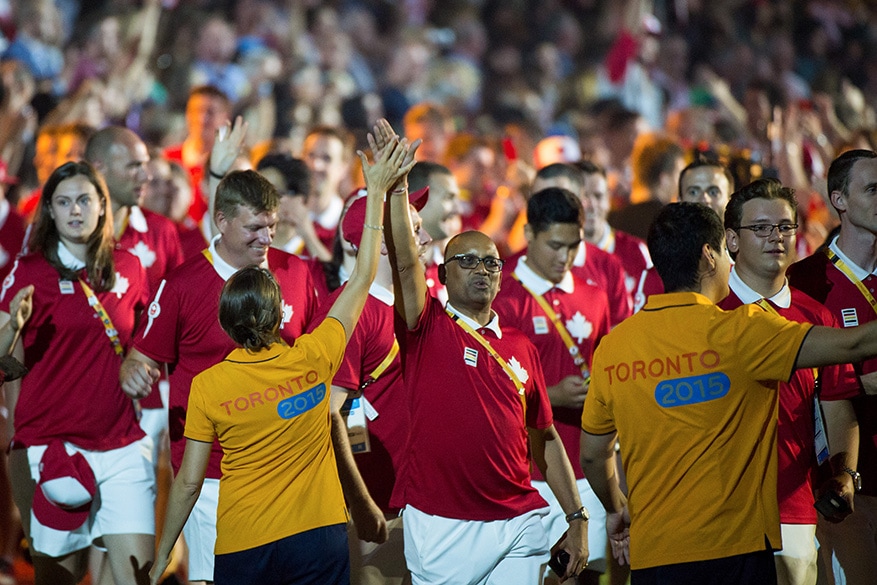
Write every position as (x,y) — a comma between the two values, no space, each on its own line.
(857,478)
(580,514)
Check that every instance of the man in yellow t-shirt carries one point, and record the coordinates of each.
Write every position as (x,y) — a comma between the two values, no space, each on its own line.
(690,392)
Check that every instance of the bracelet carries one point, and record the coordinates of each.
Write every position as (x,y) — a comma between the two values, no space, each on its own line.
(399,191)
(215,175)
(580,514)
(379,228)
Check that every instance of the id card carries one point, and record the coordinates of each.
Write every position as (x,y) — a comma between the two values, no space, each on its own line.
(354,412)
(819,436)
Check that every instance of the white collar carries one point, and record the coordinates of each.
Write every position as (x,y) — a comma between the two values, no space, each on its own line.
(748,296)
(329,217)
(539,285)
(607,242)
(382,293)
(581,255)
(223,268)
(857,271)
(493,324)
(67,258)
(137,220)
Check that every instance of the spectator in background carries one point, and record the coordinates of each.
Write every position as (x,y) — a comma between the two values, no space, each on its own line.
(327,152)
(37,44)
(656,161)
(213,65)
(641,279)
(207,109)
(295,231)
(434,125)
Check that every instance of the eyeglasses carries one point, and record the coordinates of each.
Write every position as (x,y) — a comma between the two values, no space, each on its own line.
(764,230)
(471,261)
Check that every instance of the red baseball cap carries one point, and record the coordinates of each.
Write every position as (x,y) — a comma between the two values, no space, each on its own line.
(354,219)
(63,495)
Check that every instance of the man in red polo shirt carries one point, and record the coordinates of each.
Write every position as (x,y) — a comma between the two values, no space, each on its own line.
(181,328)
(760,225)
(564,317)
(591,264)
(369,381)
(478,410)
(843,276)
(641,279)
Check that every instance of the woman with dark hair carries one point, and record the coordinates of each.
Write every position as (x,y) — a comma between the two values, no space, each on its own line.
(80,470)
(281,516)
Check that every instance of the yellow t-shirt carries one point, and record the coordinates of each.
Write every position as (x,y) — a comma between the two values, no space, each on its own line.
(692,391)
(270,411)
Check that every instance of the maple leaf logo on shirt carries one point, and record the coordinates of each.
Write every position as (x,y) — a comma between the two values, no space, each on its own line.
(121,286)
(519,370)
(287,315)
(579,327)
(144,253)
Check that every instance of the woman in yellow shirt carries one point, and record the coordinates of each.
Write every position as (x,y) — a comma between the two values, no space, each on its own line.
(281,515)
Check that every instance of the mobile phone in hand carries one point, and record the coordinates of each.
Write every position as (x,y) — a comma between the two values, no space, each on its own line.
(558,562)
(831,505)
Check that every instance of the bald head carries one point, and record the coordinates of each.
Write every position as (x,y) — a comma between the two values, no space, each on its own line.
(465,242)
(120,155)
(103,141)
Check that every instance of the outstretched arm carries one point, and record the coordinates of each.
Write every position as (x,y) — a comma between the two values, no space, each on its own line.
(826,346)
(408,276)
(396,161)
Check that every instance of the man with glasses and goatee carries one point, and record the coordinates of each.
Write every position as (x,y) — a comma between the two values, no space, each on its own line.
(478,409)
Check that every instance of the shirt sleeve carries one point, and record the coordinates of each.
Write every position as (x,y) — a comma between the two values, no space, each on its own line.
(198,425)
(157,336)
(597,416)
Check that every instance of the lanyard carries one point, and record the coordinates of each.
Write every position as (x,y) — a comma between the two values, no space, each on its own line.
(382,367)
(95,304)
(498,358)
(571,346)
(208,255)
(841,265)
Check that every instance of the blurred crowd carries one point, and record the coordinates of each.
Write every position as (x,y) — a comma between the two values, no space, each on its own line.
(772,88)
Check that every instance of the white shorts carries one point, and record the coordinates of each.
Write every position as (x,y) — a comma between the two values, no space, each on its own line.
(796,562)
(555,523)
(123,504)
(446,551)
(200,532)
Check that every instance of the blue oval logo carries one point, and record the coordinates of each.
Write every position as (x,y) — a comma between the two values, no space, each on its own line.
(692,390)
(301,403)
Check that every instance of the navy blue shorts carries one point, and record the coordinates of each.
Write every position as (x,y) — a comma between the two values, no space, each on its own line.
(316,557)
(756,568)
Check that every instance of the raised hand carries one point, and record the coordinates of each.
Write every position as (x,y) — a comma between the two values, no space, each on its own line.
(394,164)
(227,146)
